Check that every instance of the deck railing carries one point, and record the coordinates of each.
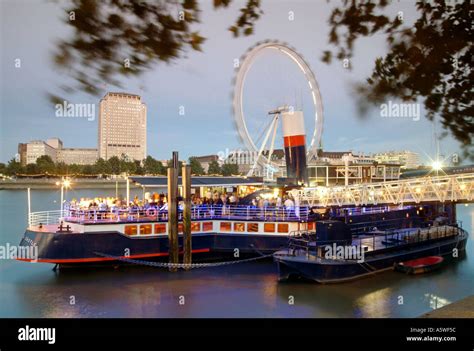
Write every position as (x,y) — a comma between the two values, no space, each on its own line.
(46,217)
(90,216)
(302,242)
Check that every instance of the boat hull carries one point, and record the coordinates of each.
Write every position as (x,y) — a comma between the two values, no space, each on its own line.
(419,266)
(73,249)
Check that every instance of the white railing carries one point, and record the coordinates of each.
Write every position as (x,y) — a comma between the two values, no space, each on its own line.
(46,217)
(457,187)
(216,212)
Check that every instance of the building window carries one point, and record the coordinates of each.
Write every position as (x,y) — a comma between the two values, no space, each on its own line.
(195,226)
(283,227)
(252,227)
(131,230)
(239,227)
(160,228)
(226,226)
(269,227)
(207,227)
(145,229)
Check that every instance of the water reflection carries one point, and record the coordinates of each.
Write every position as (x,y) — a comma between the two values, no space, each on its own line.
(436,301)
(246,290)
(374,304)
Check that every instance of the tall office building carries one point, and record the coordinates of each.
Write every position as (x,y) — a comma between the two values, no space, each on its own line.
(122,126)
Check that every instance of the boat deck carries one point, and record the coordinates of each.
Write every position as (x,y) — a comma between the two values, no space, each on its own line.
(198,213)
(380,240)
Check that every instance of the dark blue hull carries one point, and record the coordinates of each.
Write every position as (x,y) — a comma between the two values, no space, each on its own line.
(336,271)
(83,248)
(80,249)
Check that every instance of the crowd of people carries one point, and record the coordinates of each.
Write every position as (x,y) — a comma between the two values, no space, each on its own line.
(215,204)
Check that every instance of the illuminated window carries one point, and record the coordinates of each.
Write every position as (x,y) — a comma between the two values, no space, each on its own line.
(310,225)
(160,228)
(131,230)
(269,227)
(226,226)
(145,229)
(195,226)
(239,227)
(252,227)
(180,228)
(207,226)
(283,227)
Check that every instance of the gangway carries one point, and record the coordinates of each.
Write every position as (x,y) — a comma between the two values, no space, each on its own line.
(455,188)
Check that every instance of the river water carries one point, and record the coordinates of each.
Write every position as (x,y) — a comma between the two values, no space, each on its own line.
(242,290)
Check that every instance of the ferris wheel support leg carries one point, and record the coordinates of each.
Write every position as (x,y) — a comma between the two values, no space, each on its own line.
(272,125)
(272,145)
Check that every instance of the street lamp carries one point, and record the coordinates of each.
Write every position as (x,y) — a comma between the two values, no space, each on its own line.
(65,184)
(437,165)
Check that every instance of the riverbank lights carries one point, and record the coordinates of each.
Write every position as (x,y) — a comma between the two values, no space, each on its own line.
(66,183)
(437,165)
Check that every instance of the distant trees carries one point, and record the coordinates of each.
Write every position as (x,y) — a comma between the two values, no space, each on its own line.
(152,166)
(229,169)
(196,167)
(214,168)
(13,167)
(114,163)
(44,165)
(103,167)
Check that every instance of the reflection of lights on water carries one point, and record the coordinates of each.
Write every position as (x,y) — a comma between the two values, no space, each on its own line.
(436,301)
(269,291)
(375,304)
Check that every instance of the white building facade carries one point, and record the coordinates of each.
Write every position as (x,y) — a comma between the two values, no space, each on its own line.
(35,149)
(78,156)
(407,159)
(53,147)
(122,126)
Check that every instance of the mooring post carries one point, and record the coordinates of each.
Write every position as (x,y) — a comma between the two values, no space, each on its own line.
(29,206)
(172,212)
(186,184)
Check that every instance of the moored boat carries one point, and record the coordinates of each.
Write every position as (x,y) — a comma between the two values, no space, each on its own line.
(334,261)
(89,237)
(420,265)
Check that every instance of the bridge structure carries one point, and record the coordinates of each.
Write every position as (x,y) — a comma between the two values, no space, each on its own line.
(446,188)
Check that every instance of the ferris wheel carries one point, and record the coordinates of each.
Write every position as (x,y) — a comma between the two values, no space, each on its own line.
(265,148)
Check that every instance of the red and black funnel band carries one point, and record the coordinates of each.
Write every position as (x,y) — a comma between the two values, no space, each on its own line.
(294,140)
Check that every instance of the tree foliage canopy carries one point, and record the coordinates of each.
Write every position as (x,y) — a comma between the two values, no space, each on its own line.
(113,38)
(196,167)
(214,168)
(113,166)
(429,60)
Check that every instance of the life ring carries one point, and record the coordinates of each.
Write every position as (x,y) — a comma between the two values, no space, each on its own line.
(151,212)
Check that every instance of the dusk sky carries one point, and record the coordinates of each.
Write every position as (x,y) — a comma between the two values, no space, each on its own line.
(201,82)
